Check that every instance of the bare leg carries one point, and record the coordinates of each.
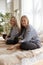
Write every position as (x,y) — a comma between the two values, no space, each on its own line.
(11,47)
(14,47)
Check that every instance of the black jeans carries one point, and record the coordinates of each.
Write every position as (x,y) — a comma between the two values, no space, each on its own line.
(10,42)
(28,46)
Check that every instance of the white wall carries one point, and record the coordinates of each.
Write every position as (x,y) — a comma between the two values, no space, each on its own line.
(26,9)
(16,4)
(34,11)
(16,7)
(2,6)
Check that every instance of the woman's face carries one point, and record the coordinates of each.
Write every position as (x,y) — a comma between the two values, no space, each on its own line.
(24,22)
(12,22)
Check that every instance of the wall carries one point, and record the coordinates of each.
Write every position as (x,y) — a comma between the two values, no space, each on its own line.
(3,6)
(34,11)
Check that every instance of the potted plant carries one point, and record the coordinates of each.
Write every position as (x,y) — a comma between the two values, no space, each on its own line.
(1,29)
(1,17)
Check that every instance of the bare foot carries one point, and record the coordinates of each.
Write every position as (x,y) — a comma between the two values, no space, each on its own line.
(11,47)
(16,46)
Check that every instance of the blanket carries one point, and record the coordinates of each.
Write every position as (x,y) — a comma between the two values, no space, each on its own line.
(18,56)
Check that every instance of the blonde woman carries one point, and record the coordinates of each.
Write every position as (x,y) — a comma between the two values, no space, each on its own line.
(29,38)
(13,32)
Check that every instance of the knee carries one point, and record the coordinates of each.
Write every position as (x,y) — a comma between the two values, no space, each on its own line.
(7,42)
(24,46)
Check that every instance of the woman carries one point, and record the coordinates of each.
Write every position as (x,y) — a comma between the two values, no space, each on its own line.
(13,32)
(29,36)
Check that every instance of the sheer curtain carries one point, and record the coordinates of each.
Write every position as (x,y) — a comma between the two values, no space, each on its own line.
(34,10)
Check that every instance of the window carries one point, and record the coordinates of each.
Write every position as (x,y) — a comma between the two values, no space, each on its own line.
(34,10)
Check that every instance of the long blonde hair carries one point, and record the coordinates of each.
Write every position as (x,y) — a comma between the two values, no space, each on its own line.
(24,16)
(15,21)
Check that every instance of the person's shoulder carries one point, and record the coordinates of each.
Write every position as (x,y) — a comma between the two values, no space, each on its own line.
(31,26)
(32,29)
(17,28)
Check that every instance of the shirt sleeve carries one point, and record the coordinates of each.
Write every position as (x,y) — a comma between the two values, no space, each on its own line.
(13,34)
(29,35)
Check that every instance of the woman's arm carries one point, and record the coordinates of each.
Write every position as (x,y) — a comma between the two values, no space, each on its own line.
(29,35)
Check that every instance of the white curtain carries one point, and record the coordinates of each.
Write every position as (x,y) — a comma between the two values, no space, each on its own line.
(34,10)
